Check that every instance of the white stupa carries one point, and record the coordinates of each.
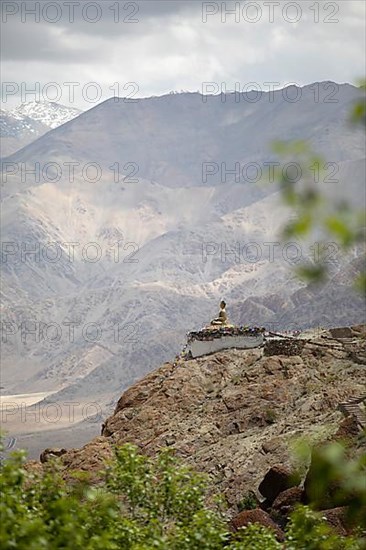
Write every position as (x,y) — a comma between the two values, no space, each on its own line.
(221,335)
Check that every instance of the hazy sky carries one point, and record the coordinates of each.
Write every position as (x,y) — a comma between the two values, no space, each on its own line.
(79,52)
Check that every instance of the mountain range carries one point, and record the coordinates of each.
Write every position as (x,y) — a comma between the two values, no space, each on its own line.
(143,214)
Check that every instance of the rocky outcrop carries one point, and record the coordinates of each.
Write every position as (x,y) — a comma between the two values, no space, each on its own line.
(90,459)
(48,454)
(233,415)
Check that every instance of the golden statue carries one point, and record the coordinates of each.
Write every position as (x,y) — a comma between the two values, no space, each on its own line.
(222,319)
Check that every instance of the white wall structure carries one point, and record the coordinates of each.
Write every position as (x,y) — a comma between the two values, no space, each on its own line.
(205,347)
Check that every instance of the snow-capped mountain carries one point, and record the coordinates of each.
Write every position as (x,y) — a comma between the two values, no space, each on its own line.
(47,112)
(29,121)
(17,132)
(136,247)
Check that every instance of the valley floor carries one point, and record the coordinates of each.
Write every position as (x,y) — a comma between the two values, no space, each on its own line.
(33,422)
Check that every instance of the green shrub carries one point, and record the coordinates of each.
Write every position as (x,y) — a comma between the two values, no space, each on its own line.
(248,502)
(146,504)
(308,531)
(256,537)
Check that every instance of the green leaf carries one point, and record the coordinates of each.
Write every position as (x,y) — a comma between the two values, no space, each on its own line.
(339,228)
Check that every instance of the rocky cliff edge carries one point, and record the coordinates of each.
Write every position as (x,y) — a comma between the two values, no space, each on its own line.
(236,413)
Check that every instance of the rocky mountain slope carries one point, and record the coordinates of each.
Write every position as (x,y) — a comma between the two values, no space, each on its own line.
(235,414)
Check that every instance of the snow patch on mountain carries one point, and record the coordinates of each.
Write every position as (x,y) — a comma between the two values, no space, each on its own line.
(29,121)
(47,112)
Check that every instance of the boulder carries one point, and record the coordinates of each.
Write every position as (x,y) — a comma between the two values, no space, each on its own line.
(273,445)
(286,501)
(48,454)
(337,520)
(342,332)
(256,516)
(277,479)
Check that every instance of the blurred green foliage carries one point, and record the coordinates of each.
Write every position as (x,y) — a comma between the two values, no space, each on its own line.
(153,503)
(308,531)
(336,479)
(315,212)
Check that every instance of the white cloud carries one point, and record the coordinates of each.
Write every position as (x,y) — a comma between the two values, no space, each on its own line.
(172,49)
